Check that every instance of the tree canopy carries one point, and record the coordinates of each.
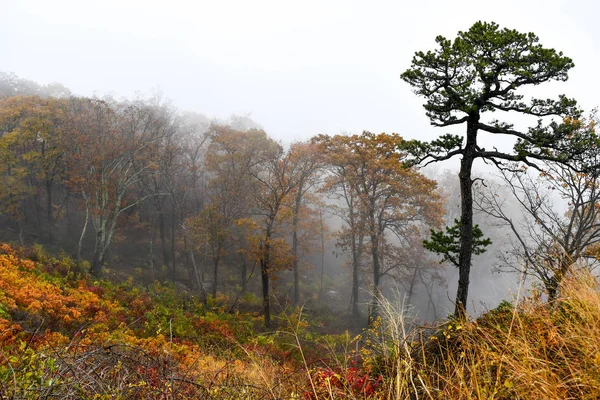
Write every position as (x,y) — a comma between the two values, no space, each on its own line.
(481,71)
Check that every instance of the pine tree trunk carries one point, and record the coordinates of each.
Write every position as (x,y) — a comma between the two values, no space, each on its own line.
(466,228)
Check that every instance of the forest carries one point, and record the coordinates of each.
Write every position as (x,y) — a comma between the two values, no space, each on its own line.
(152,252)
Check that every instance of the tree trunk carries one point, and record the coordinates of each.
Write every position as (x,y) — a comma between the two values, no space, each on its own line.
(68,213)
(411,286)
(431,303)
(551,288)
(173,258)
(49,217)
(188,265)
(376,277)
(244,273)
(322,254)
(199,282)
(356,256)
(295,218)
(162,232)
(466,228)
(85,224)
(553,284)
(198,276)
(21,231)
(264,271)
(37,208)
(215,275)
(295,253)
(98,260)
(151,260)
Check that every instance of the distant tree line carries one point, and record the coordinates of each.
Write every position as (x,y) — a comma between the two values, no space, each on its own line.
(139,183)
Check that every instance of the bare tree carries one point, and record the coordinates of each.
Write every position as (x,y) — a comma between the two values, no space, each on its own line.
(549,238)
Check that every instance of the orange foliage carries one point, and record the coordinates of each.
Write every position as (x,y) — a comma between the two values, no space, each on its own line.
(54,330)
(20,288)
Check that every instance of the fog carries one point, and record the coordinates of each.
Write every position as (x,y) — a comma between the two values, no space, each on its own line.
(294,70)
(298,69)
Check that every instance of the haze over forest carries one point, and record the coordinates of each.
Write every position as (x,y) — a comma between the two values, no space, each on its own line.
(155,246)
(268,182)
(297,69)
(268,72)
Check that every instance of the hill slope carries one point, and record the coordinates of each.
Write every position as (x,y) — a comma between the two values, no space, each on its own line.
(64,336)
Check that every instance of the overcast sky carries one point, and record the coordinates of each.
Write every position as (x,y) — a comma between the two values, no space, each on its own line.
(299,68)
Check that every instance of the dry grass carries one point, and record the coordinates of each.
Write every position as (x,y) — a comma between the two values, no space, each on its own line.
(531,351)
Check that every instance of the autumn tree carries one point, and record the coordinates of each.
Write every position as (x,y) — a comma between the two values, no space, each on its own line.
(276,176)
(32,157)
(211,231)
(174,182)
(108,143)
(340,186)
(231,155)
(192,194)
(307,161)
(166,151)
(185,183)
(482,71)
(48,160)
(13,172)
(392,199)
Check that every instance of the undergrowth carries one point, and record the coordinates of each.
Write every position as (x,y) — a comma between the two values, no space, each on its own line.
(63,335)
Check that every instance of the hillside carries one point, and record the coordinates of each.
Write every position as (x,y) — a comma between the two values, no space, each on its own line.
(65,336)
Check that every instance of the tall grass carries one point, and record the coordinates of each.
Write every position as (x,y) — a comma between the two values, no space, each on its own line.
(531,350)
(527,350)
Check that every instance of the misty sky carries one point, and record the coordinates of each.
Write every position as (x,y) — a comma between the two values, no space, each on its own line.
(299,68)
